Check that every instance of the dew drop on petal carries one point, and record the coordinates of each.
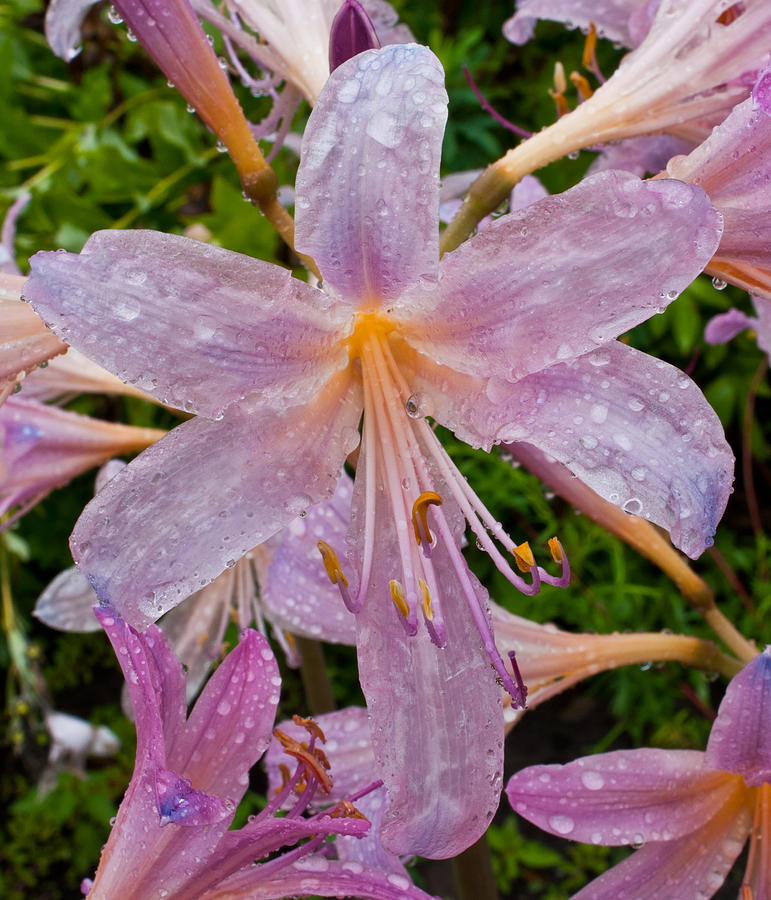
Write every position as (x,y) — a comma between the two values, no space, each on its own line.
(561,824)
(592,781)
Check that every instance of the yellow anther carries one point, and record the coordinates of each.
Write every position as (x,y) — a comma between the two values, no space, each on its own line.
(590,45)
(331,563)
(428,610)
(203,638)
(523,556)
(420,513)
(397,595)
(555,549)
(582,85)
(560,84)
(290,641)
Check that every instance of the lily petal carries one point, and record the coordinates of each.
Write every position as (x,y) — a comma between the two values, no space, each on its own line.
(62,25)
(296,592)
(370,163)
(443,784)
(740,740)
(611,18)
(193,325)
(603,256)
(622,797)
(692,866)
(67,604)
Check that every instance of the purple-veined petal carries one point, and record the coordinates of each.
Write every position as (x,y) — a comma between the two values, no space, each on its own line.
(296,592)
(726,326)
(740,740)
(67,604)
(435,715)
(691,866)
(611,17)
(239,701)
(317,876)
(179,802)
(62,26)
(526,192)
(352,32)
(196,326)
(207,494)
(622,797)
(641,156)
(563,276)
(367,191)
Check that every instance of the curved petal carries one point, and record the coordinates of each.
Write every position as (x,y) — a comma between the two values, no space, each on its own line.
(435,714)
(693,866)
(641,156)
(726,326)
(239,701)
(296,592)
(611,17)
(207,494)
(62,25)
(367,192)
(67,604)
(563,276)
(623,797)
(193,325)
(740,740)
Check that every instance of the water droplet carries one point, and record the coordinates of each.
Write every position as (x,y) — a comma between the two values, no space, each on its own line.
(561,824)
(223,708)
(413,407)
(593,781)
(574,154)
(131,36)
(718,284)
(633,506)
(190,108)
(114,16)
(221,148)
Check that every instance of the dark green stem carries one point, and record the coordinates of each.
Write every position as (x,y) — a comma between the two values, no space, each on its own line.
(313,670)
(474,872)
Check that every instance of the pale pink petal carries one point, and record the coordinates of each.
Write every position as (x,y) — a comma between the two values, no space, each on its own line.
(740,740)
(726,326)
(763,324)
(178,515)
(296,592)
(526,192)
(239,701)
(642,156)
(196,326)
(732,165)
(370,168)
(67,604)
(611,17)
(386,21)
(623,797)
(691,866)
(62,25)
(435,714)
(70,374)
(8,234)
(602,257)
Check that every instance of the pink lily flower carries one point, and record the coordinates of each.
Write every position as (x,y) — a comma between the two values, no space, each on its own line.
(171,836)
(689,812)
(42,448)
(279,372)
(732,167)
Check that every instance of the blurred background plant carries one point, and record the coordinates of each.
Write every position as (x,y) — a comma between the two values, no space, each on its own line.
(103,142)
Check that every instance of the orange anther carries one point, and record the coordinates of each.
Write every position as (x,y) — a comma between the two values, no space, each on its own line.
(428,610)
(590,45)
(311,727)
(523,556)
(315,761)
(397,595)
(420,514)
(582,85)
(555,548)
(331,563)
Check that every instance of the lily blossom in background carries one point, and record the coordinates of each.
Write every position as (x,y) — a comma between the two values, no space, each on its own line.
(279,373)
(72,740)
(43,447)
(621,21)
(690,813)
(171,836)
(726,326)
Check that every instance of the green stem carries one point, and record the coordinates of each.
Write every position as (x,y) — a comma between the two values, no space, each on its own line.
(313,670)
(474,872)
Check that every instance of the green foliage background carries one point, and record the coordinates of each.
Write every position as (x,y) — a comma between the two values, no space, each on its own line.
(104,143)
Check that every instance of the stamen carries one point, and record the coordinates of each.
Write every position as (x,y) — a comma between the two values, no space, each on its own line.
(344,809)
(589,58)
(523,556)
(559,556)
(521,700)
(560,86)
(428,610)
(397,595)
(314,759)
(420,519)
(336,576)
(311,726)
(582,86)
(555,548)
